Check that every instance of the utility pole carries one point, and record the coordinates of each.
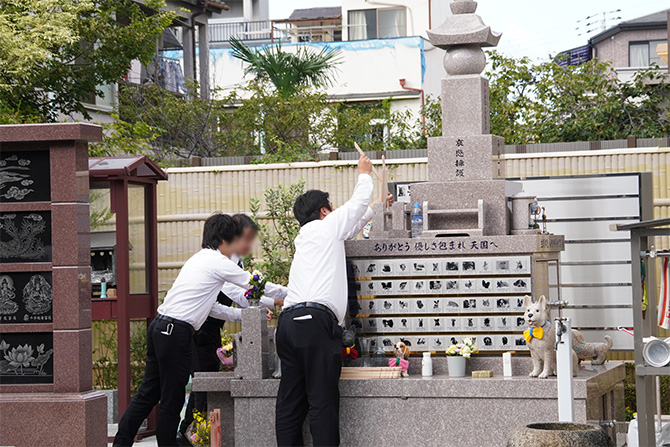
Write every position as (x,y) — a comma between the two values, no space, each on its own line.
(597,22)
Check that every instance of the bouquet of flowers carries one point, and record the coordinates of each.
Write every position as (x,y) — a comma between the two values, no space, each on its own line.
(256,288)
(201,430)
(464,349)
(225,352)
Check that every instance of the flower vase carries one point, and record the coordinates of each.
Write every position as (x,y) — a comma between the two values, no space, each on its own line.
(254,302)
(456,365)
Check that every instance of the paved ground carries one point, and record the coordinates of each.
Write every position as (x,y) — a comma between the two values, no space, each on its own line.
(146,442)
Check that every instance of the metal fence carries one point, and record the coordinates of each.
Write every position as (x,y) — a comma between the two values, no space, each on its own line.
(254,30)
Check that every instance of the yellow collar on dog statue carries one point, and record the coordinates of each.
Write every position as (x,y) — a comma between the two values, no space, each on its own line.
(534,332)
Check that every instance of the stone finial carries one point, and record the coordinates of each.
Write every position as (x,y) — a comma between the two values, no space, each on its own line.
(463,35)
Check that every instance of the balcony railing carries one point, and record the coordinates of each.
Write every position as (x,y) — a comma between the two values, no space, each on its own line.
(260,30)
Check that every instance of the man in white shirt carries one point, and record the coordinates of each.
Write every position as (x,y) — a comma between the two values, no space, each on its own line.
(309,332)
(187,305)
(208,338)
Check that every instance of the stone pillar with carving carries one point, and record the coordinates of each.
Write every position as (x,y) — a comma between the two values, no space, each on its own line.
(462,194)
(46,395)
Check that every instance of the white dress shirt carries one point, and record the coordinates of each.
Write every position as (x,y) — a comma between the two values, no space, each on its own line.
(192,297)
(318,272)
(236,294)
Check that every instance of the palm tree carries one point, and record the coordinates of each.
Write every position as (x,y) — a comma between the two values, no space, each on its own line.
(289,71)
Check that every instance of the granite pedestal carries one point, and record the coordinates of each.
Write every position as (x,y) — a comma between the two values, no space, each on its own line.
(444,411)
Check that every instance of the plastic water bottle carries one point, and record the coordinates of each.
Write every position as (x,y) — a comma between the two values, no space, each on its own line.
(417,220)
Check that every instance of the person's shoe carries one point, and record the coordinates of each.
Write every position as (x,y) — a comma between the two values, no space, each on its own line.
(182,440)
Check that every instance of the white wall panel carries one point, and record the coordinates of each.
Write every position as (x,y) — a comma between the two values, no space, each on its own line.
(588,230)
(583,187)
(596,274)
(597,296)
(600,317)
(592,208)
(600,251)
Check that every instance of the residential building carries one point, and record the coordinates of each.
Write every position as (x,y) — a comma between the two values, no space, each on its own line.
(247,20)
(242,10)
(188,35)
(312,25)
(385,52)
(378,19)
(630,45)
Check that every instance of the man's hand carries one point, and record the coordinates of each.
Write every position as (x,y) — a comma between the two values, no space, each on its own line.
(279,303)
(389,199)
(269,314)
(364,165)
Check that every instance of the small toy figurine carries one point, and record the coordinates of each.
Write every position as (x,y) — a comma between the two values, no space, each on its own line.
(400,358)
(348,343)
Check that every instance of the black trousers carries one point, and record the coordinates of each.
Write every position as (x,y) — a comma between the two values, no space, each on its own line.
(165,378)
(309,344)
(205,343)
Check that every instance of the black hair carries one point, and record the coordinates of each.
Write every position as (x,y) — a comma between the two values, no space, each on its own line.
(308,206)
(243,221)
(218,228)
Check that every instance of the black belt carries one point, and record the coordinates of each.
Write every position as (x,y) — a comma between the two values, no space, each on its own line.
(309,305)
(175,322)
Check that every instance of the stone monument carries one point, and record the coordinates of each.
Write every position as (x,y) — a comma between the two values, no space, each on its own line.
(46,395)
(466,276)
(479,253)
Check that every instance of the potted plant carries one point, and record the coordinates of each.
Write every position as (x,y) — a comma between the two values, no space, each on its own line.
(457,355)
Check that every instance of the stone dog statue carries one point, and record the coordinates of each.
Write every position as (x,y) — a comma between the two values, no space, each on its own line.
(595,351)
(541,337)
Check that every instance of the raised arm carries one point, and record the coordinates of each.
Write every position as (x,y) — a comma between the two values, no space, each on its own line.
(347,218)
(230,272)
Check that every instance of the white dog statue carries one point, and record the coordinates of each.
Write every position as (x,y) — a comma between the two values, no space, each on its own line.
(541,337)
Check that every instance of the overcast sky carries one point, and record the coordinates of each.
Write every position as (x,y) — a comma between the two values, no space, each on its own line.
(532,28)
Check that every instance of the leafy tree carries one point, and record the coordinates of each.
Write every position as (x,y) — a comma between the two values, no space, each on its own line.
(174,126)
(546,103)
(55,54)
(288,71)
(277,237)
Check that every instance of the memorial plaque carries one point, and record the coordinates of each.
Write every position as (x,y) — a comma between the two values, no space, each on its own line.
(24,177)
(26,358)
(26,297)
(25,237)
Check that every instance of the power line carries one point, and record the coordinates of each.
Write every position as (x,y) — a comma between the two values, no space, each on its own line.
(597,22)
